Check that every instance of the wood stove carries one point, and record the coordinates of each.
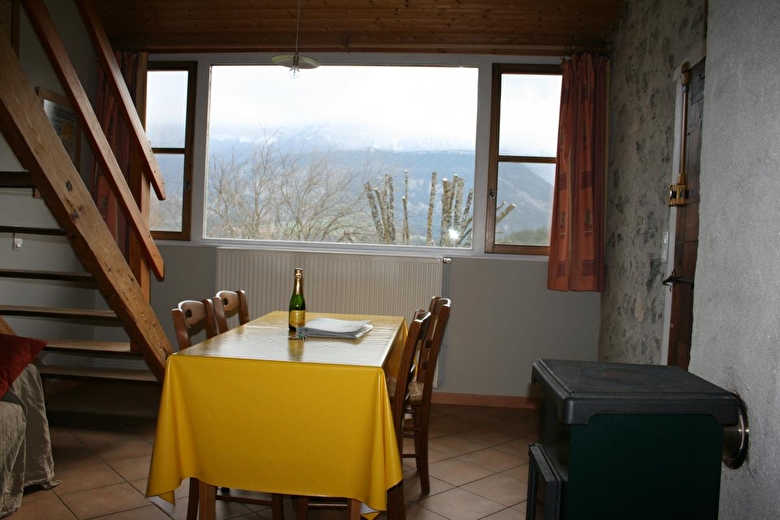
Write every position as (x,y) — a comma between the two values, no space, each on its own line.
(622,441)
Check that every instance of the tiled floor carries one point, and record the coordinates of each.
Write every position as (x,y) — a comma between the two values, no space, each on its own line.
(102,437)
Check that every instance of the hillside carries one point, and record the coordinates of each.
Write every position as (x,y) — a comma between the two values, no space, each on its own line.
(521,186)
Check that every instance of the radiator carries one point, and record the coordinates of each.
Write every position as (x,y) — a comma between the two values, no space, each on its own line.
(339,283)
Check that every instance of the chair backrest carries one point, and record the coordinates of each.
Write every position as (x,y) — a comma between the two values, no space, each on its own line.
(406,368)
(189,316)
(227,304)
(429,350)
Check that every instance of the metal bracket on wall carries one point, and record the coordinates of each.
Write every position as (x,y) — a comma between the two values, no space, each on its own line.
(735,439)
(679,193)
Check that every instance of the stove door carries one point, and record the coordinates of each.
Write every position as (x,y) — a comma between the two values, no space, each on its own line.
(545,486)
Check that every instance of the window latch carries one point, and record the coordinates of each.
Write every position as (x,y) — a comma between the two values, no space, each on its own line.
(492,194)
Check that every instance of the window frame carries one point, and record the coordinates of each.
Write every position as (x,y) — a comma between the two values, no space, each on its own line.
(191,67)
(495,158)
(485,64)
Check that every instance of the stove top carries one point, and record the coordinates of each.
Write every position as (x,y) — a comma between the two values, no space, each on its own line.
(581,389)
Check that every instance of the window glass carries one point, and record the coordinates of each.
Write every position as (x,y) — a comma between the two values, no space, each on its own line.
(166,109)
(167,215)
(529,114)
(354,154)
(523,145)
(524,203)
(170,89)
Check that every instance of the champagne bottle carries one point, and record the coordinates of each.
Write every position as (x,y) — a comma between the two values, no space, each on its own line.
(297,303)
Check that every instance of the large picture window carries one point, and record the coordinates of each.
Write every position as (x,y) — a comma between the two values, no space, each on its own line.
(363,154)
(343,154)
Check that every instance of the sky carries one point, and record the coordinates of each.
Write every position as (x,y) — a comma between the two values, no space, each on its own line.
(381,106)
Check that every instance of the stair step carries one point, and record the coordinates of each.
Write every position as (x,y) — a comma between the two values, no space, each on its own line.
(46,275)
(57,312)
(97,373)
(16,180)
(85,346)
(32,230)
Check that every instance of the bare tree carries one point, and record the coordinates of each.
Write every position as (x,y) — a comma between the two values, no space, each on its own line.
(277,195)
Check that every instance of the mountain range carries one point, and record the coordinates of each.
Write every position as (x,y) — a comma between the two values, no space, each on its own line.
(519,184)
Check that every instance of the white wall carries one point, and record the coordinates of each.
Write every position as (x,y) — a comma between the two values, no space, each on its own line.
(503,317)
(736,315)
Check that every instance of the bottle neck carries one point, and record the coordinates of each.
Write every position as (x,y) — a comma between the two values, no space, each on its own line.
(298,287)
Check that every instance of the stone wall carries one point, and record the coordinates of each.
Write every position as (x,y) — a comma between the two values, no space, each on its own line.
(652,42)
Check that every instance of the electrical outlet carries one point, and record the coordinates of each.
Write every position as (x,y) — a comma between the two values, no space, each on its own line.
(17,243)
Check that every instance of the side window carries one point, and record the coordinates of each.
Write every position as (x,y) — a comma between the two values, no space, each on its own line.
(525,106)
(170,102)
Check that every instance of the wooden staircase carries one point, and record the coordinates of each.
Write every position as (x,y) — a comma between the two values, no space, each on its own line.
(124,287)
(74,349)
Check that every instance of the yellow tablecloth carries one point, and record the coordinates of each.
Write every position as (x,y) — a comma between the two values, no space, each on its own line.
(251,409)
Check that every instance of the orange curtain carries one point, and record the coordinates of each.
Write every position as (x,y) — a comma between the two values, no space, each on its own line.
(577,234)
(118,137)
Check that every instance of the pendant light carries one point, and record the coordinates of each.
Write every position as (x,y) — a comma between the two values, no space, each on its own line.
(295,62)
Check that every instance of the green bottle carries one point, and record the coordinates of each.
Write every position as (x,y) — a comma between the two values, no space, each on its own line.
(297,303)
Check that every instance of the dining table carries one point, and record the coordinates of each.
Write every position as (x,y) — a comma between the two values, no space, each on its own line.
(259,409)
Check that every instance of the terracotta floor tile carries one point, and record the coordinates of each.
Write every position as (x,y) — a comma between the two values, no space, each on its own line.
(458,472)
(415,512)
(103,501)
(494,460)
(132,468)
(507,514)
(454,445)
(520,473)
(489,435)
(499,488)
(459,504)
(94,473)
(50,508)
(149,512)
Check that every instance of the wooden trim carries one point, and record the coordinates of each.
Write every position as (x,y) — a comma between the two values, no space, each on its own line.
(58,55)
(191,67)
(499,401)
(139,186)
(499,69)
(107,60)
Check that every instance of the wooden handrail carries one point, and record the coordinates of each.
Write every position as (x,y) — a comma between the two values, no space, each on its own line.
(60,60)
(105,54)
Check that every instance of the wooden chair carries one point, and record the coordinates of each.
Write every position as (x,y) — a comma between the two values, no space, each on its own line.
(188,317)
(398,388)
(421,388)
(227,304)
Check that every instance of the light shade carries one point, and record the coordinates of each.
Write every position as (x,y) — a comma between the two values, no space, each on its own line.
(295,62)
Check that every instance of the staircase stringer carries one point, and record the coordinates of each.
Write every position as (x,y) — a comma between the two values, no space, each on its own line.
(31,137)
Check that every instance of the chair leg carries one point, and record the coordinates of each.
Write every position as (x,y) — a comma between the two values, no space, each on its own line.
(277,506)
(421,445)
(301,508)
(192,500)
(353,509)
(207,501)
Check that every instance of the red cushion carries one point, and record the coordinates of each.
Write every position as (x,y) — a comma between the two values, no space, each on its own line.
(16,352)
